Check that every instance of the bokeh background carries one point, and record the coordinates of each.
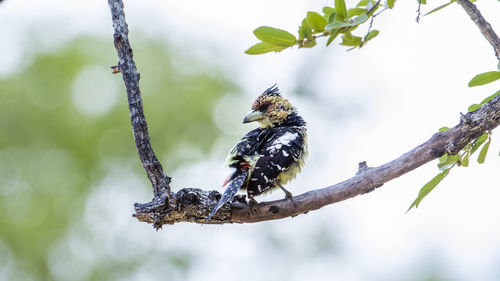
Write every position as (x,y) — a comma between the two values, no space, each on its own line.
(69,173)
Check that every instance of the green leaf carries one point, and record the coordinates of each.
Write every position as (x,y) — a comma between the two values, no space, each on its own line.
(390,3)
(336,24)
(262,48)
(275,36)
(305,30)
(301,33)
(340,9)
(465,159)
(484,78)
(448,166)
(360,19)
(339,24)
(478,143)
(372,34)
(332,37)
(362,3)
(332,17)
(440,7)
(356,11)
(328,11)
(490,98)
(473,107)
(484,151)
(428,187)
(449,161)
(349,40)
(443,158)
(316,21)
(423,2)
(443,129)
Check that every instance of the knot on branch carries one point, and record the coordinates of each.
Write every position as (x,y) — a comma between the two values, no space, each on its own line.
(464,121)
(194,196)
(362,167)
(115,69)
(451,149)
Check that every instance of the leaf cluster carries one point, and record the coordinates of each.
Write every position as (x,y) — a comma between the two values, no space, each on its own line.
(461,159)
(333,22)
(447,162)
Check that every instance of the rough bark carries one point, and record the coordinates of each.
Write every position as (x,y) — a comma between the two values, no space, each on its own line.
(126,65)
(482,24)
(194,205)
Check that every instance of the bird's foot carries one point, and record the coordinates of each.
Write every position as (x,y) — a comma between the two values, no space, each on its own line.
(252,205)
(288,195)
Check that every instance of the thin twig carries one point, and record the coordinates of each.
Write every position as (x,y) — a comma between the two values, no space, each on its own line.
(418,11)
(126,65)
(483,25)
(372,18)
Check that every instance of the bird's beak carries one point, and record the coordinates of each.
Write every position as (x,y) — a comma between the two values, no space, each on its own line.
(253,115)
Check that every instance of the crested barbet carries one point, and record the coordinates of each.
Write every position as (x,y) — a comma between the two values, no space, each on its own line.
(267,157)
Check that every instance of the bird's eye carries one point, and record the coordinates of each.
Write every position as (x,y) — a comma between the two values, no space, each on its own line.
(263,107)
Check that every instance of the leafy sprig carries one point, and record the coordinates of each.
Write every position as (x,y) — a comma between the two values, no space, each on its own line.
(332,23)
(447,162)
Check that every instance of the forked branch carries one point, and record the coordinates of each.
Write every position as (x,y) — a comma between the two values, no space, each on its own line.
(126,65)
(193,205)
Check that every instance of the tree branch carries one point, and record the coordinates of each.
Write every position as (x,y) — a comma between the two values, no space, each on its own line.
(193,205)
(483,25)
(126,65)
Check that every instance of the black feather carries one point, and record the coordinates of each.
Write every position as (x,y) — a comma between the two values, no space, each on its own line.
(230,191)
(274,161)
(272,91)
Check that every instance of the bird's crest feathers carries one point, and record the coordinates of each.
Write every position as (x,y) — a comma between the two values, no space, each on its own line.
(275,108)
(272,91)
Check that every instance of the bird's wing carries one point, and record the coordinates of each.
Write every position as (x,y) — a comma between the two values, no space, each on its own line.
(244,149)
(277,156)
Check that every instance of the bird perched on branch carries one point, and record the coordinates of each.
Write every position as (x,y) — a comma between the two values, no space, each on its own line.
(267,157)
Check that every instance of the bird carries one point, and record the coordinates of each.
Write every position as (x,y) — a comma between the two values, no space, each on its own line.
(267,157)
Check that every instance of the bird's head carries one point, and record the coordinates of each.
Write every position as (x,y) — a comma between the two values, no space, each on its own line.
(269,109)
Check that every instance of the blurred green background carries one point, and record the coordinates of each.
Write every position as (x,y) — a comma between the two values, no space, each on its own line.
(64,120)
(66,129)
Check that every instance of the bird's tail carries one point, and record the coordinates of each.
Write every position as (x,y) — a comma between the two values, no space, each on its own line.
(230,191)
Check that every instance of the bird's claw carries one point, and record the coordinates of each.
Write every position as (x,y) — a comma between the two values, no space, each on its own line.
(289,196)
(252,203)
